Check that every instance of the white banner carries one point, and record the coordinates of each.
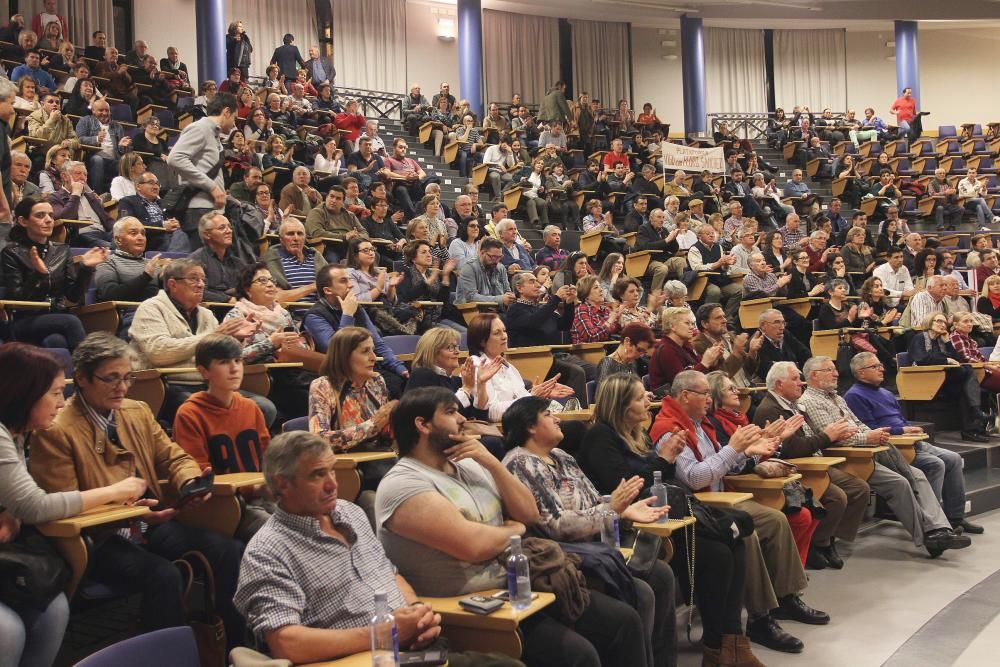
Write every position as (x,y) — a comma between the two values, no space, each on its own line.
(692,160)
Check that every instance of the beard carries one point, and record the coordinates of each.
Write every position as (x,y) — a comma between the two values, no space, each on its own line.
(440,440)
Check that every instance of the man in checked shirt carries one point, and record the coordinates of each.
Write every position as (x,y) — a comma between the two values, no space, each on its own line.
(309,576)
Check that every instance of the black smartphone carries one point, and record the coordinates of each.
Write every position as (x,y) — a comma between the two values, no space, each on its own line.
(422,658)
(201,486)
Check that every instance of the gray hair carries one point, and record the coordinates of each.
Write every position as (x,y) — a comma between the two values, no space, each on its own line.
(432,188)
(518,278)
(685,381)
(812,363)
(283,453)
(550,230)
(861,360)
(818,234)
(301,168)
(119,227)
(8,91)
(754,256)
(670,200)
(767,314)
(288,221)
(205,220)
(504,225)
(674,288)
(716,385)
(70,165)
(935,280)
(19,155)
(779,371)
(837,282)
(97,348)
(178,268)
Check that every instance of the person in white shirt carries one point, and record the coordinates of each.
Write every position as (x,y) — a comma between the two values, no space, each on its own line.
(746,236)
(973,192)
(895,277)
(948,269)
(499,160)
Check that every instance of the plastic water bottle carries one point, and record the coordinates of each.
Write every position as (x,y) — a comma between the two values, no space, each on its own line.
(382,631)
(609,525)
(518,576)
(659,491)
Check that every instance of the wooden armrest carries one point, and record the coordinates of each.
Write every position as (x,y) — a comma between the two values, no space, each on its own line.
(856,452)
(102,306)
(581,415)
(176,370)
(228,485)
(816,463)
(297,305)
(350,460)
(723,498)
(9,303)
(504,618)
(753,481)
(97,516)
(907,438)
(924,369)
(664,529)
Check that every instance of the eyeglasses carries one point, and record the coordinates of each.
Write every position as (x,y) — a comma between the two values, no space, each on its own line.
(264,280)
(881,367)
(495,258)
(704,394)
(366,250)
(825,370)
(115,380)
(451,347)
(193,281)
(156,183)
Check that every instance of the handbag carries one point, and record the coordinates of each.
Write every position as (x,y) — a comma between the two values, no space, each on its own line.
(646,550)
(32,573)
(773,468)
(209,630)
(177,200)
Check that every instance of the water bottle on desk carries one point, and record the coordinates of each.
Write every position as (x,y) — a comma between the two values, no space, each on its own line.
(609,525)
(382,631)
(659,491)
(518,576)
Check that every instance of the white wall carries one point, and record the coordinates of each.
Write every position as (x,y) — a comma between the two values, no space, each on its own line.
(166,23)
(429,60)
(958,76)
(871,78)
(656,80)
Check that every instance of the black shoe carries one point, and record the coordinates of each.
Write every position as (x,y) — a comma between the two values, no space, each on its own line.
(967,527)
(816,560)
(973,436)
(833,558)
(766,632)
(792,608)
(938,541)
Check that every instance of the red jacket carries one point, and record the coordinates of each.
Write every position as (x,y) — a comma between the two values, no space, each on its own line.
(350,126)
(669,359)
(672,418)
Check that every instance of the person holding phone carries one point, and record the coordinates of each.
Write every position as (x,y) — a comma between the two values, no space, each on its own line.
(100,438)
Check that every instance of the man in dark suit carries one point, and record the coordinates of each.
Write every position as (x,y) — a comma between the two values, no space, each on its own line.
(320,68)
(739,189)
(846,496)
(777,346)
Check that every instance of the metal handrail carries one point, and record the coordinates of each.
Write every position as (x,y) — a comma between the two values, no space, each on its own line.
(748,124)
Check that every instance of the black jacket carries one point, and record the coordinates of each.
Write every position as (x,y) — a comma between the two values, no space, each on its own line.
(66,280)
(650,239)
(426,377)
(791,350)
(537,324)
(799,444)
(134,206)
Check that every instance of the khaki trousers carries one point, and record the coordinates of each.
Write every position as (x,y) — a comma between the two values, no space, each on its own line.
(773,566)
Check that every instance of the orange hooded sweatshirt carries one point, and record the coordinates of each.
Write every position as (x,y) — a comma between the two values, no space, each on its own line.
(229,439)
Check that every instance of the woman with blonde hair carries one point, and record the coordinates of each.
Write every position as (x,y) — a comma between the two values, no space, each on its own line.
(989,298)
(617,448)
(130,167)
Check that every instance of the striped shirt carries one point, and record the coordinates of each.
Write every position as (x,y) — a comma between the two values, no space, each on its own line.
(299,274)
(293,573)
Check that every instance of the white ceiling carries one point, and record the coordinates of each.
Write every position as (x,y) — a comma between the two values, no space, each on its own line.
(878,14)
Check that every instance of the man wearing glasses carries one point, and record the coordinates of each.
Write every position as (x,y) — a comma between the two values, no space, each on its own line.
(217,255)
(100,438)
(147,207)
(777,346)
(167,328)
(904,488)
(879,408)
(485,280)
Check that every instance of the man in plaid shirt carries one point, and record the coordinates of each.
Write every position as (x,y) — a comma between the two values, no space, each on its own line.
(308,577)
(905,488)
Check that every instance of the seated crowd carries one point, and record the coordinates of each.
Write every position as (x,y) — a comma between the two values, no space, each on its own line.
(289,234)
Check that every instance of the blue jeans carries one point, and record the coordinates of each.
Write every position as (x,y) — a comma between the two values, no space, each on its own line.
(943,469)
(100,171)
(32,639)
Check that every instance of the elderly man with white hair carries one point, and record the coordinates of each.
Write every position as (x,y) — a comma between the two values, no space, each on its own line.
(222,265)
(846,497)
(515,257)
(298,194)
(76,201)
(922,304)
(707,256)
(904,488)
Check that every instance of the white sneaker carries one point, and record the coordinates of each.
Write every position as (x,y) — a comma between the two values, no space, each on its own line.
(996,219)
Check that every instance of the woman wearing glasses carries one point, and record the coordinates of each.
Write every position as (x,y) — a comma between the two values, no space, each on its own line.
(37,269)
(30,397)
(258,292)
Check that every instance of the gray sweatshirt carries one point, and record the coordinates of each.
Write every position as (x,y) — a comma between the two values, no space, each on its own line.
(21,496)
(196,152)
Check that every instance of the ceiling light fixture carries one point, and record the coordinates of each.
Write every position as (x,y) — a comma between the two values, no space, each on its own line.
(649,5)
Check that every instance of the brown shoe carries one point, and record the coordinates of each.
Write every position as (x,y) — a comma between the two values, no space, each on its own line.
(736,652)
(710,657)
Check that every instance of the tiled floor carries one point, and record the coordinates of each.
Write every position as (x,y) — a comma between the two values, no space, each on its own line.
(887,593)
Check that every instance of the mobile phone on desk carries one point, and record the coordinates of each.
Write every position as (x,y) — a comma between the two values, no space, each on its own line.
(479,604)
(427,657)
(200,487)
(505,596)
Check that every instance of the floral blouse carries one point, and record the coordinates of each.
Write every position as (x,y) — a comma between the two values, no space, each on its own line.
(638,314)
(258,349)
(568,504)
(345,418)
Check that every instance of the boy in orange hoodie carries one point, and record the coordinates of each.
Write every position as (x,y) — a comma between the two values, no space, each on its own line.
(222,428)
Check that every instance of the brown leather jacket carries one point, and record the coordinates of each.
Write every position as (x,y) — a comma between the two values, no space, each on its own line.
(74,455)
